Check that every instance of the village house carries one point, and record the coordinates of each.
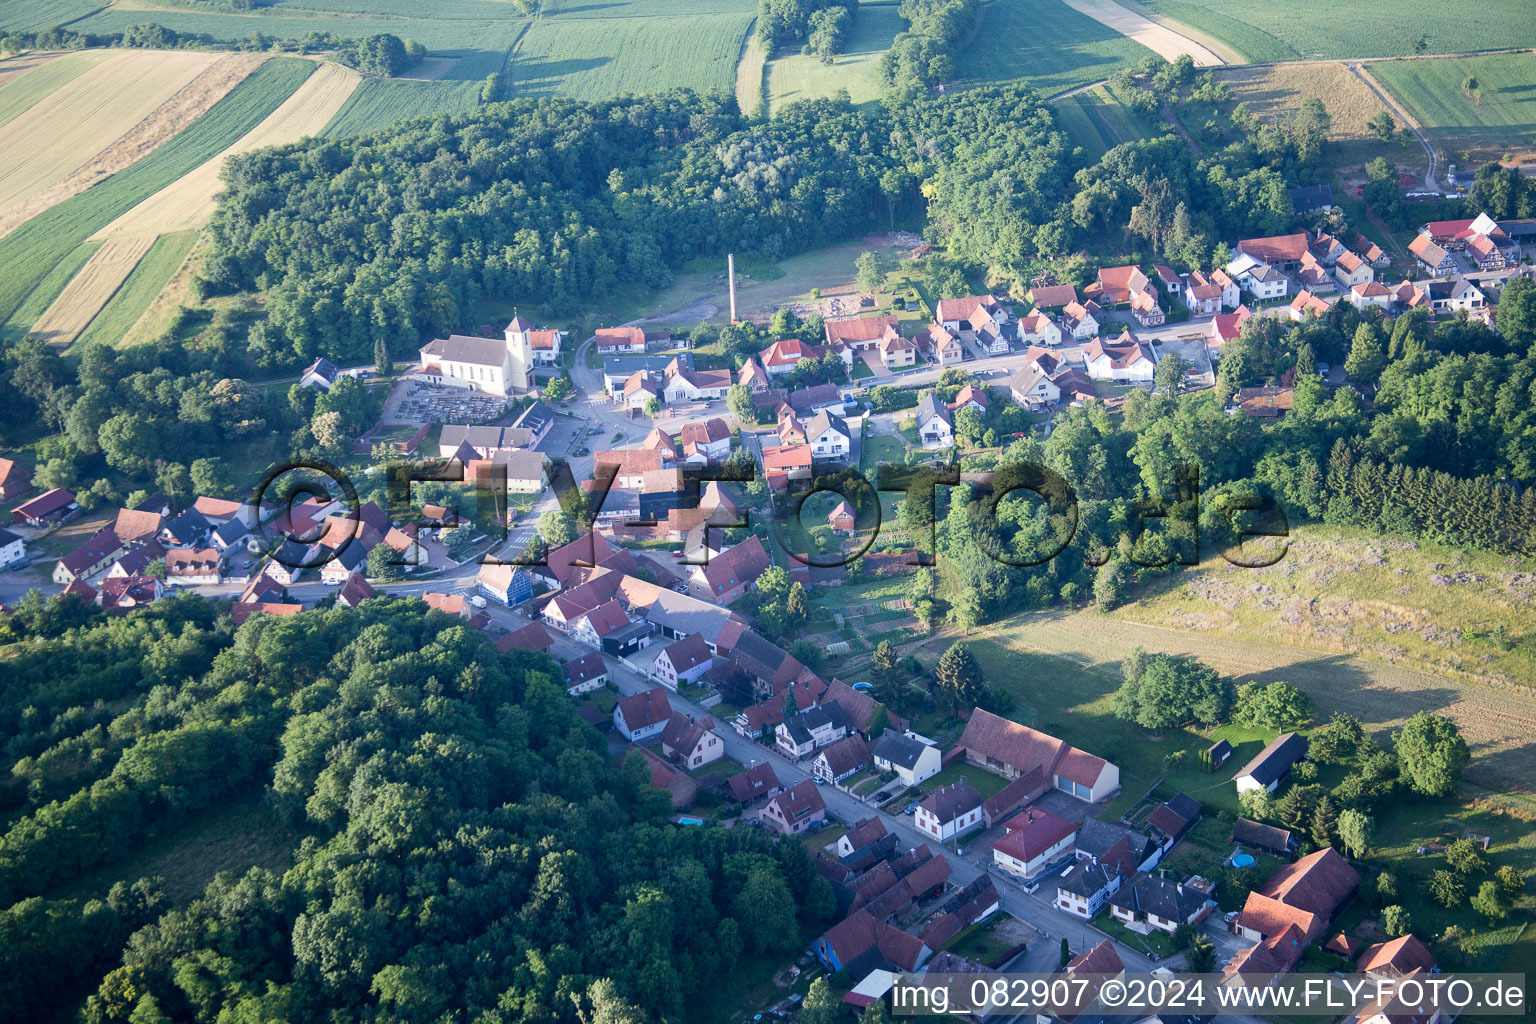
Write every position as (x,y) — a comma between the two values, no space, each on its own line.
(1124,359)
(897,352)
(828,435)
(643,715)
(504,583)
(1146,903)
(1306,304)
(1306,895)
(619,341)
(841,519)
(1254,835)
(942,346)
(1431,256)
(683,383)
(913,759)
(1014,797)
(1034,840)
(731,573)
(125,593)
(1037,328)
(784,464)
(192,567)
(585,674)
(1407,295)
(691,743)
(1031,387)
(1172,284)
(706,443)
(319,375)
(1283,252)
(1454,295)
(355,591)
(841,758)
(956,314)
(1371,293)
(15,479)
(1264,403)
(865,833)
(545,346)
(1272,764)
(1085,886)
(1351,270)
(1202,295)
(791,431)
(801,734)
(796,809)
(1369,251)
(1259,279)
(1226,327)
(756,783)
(1010,749)
(90,558)
(934,424)
(1311,199)
(682,661)
(948,811)
(13,550)
(1316,278)
(752,376)
(971,397)
(1051,296)
(860,334)
(784,355)
(1397,958)
(1081,320)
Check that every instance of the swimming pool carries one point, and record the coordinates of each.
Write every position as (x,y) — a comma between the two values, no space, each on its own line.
(1242,860)
(700,821)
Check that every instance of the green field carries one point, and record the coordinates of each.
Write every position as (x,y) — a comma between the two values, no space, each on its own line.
(380,102)
(796,76)
(30,86)
(1096,120)
(476,32)
(32,250)
(148,279)
(41,297)
(1504,120)
(596,58)
(1371,28)
(1045,43)
(40,15)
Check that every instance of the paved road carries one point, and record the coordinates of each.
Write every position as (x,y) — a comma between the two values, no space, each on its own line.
(1402,115)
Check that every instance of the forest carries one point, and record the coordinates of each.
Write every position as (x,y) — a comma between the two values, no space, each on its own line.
(469,850)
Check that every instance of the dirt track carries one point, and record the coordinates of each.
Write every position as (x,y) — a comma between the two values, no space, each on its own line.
(1498,726)
(1163,41)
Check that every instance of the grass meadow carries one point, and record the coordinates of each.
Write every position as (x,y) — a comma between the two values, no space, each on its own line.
(1096,120)
(1045,43)
(378,103)
(1370,28)
(30,253)
(1499,119)
(795,76)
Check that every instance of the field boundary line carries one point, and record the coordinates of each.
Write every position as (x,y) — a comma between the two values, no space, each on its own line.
(89,291)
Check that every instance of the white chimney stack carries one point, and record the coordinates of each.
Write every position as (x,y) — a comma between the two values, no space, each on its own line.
(730,273)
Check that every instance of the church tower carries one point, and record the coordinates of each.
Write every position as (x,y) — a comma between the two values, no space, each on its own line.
(519,354)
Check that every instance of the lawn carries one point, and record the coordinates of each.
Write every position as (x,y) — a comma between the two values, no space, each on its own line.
(597,58)
(1045,43)
(982,942)
(1372,28)
(1096,120)
(1502,119)
(796,76)
(982,781)
(379,103)
(1153,942)
(29,253)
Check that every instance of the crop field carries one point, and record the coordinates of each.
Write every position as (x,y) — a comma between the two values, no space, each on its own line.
(797,76)
(90,290)
(750,73)
(26,80)
(1371,28)
(596,58)
(1161,39)
(476,33)
(73,123)
(380,102)
(149,278)
(29,253)
(41,297)
(188,202)
(1500,119)
(35,15)
(1047,44)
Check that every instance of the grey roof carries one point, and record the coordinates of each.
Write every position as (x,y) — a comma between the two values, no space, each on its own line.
(188,526)
(1311,197)
(824,421)
(815,717)
(1095,838)
(1272,763)
(231,531)
(615,366)
(1088,878)
(521,464)
(929,407)
(324,369)
(455,434)
(7,537)
(899,749)
(683,614)
(1168,900)
(461,348)
(535,418)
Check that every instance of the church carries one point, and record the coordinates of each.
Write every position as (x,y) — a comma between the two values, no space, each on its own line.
(495,366)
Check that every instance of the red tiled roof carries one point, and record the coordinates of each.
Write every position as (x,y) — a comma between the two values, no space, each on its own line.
(639,710)
(860,329)
(1032,833)
(1402,955)
(532,637)
(1276,248)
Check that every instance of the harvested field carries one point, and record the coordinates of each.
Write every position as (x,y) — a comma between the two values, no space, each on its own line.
(140,291)
(1047,43)
(69,126)
(37,301)
(188,202)
(90,290)
(1160,39)
(170,117)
